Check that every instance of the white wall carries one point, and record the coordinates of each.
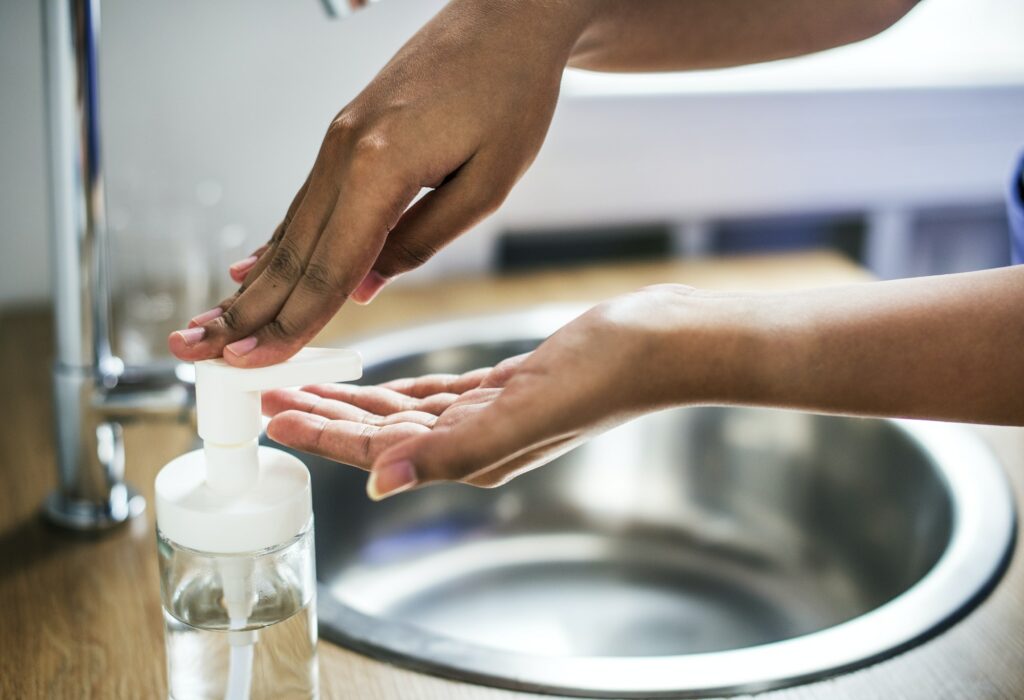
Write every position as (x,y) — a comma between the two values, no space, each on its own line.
(234,94)
(213,112)
(23,234)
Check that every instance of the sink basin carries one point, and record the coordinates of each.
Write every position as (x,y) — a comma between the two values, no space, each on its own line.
(693,551)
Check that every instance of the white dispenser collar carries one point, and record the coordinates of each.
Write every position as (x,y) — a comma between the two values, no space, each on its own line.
(233,497)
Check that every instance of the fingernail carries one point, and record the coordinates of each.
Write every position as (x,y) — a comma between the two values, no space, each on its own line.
(243,346)
(369,287)
(191,336)
(206,316)
(243,265)
(389,479)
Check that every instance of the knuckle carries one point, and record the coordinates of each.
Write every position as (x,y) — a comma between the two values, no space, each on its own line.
(341,129)
(278,234)
(321,279)
(226,304)
(232,319)
(285,265)
(318,439)
(371,150)
(365,437)
(488,199)
(280,330)
(413,253)
(502,372)
(315,406)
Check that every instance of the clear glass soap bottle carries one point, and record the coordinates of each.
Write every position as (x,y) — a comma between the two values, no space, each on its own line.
(267,648)
(235,541)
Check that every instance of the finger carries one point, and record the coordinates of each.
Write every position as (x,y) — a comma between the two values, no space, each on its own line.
(357,444)
(281,400)
(249,268)
(238,270)
(181,344)
(485,436)
(504,472)
(256,303)
(437,403)
(369,203)
(276,236)
(382,400)
(503,372)
(431,384)
(373,399)
(421,417)
(433,222)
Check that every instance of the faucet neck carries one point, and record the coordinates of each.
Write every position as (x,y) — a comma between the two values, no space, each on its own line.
(78,240)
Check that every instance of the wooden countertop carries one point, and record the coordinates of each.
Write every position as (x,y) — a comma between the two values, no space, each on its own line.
(81,614)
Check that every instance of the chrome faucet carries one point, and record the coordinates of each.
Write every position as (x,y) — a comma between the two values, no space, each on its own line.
(94,393)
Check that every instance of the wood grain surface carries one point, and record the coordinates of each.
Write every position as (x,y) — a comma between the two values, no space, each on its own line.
(80,615)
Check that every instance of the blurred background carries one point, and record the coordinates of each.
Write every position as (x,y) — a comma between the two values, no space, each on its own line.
(895,151)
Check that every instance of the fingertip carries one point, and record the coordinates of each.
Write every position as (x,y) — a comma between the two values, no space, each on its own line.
(295,428)
(369,288)
(277,428)
(240,269)
(251,352)
(405,451)
(321,390)
(276,401)
(175,345)
(187,344)
(205,317)
(390,478)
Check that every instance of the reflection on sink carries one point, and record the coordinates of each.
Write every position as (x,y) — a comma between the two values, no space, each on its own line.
(694,550)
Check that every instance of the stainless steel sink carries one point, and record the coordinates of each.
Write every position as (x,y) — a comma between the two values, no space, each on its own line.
(694,551)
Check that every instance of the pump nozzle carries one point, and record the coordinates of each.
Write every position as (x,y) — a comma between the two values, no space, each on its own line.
(228,407)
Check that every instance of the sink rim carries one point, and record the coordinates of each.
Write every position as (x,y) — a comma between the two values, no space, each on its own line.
(977,553)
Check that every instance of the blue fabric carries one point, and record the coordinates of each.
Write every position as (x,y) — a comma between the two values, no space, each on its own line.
(1015,212)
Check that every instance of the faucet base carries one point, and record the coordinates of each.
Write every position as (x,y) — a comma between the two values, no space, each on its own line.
(123,504)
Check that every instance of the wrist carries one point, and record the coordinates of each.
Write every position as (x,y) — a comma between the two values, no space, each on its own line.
(549,25)
(718,348)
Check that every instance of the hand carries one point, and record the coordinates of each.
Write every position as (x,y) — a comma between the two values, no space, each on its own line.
(620,359)
(462,108)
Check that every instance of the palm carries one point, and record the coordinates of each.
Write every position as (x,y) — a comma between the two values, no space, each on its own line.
(355,424)
(486,426)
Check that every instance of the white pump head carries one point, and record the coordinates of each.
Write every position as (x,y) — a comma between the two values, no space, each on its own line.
(228,407)
(233,496)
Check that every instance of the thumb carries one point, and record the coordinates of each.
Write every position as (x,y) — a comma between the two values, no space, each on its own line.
(433,222)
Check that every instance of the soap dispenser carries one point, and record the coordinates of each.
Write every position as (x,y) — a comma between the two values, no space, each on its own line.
(235,541)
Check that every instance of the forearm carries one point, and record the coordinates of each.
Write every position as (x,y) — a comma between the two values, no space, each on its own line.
(948,347)
(671,35)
